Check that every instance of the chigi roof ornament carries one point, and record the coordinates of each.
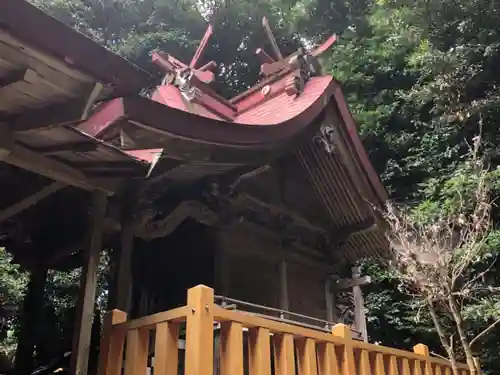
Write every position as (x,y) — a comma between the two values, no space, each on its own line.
(305,61)
(186,76)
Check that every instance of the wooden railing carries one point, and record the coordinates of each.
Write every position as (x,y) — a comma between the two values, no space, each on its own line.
(274,348)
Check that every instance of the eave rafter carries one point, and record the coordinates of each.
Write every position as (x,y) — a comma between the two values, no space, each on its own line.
(71,111)
(13,77)
(37,119)
(22,157)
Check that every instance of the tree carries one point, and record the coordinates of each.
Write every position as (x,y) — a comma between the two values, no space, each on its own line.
(443,254)
(12,287)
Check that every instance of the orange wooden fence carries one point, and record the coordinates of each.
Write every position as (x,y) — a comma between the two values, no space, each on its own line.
(274,348)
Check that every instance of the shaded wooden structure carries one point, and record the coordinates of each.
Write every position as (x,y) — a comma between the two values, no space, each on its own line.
(268,197)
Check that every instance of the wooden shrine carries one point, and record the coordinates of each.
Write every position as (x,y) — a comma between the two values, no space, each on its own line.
(267,197)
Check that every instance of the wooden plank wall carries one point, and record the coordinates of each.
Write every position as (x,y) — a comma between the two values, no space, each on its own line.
(251,265)
(306,290)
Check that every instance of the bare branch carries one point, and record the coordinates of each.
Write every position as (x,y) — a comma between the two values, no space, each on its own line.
(484,332)
(440,356)
(434,256)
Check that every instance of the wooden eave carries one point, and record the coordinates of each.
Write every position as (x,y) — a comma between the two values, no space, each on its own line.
(48,81)
(33,27)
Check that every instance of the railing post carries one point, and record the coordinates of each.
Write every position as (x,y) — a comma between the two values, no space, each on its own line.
(136,354)
(200,331)
(259,351)
(111,346)
(166,354)
(347,365)
(231,353)
(423,350)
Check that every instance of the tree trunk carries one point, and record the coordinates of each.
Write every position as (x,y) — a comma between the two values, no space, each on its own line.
(457,317)
(442,337)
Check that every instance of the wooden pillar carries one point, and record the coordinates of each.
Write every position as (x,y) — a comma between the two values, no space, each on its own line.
(359,306)
(283,272)
(32,310)
(221,271)
(330,301)
(124,266)
(120,290)
(88,282)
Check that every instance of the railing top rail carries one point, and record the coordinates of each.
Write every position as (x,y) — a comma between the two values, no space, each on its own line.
(178,315)
(255,321)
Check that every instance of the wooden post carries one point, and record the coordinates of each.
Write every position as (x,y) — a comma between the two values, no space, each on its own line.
(88,283)
(221,271)
(423,350)
(348,364)
(283,272)
(284,356)
(200,331)
(124,266)
(259,351)
(112,343)
(231,350)
(306,357)
(359,306)
(329,300)
(327,359)
(32,310)
(166,355)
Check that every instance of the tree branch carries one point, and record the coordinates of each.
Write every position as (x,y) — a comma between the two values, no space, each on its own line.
(484,332)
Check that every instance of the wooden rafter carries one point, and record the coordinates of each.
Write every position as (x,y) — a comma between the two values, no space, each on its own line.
(30,201)
(13,77)
(56,114)
(22,157)
(68,147)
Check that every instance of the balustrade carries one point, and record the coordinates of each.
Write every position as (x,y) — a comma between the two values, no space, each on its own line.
(274,347)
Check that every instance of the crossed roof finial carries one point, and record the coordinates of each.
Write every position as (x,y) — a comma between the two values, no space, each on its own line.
(171,65)
(272,65)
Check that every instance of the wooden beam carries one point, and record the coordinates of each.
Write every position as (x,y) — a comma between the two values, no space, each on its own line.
(351,283)
(30,201)
(56,114)
(13,77)
(123,165)
(284,304)
(124,271)
(222,271)
(22,157)
(330,301)
(68,147)
(88,283)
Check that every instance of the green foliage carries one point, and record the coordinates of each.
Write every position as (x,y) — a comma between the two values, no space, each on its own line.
(12,286)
